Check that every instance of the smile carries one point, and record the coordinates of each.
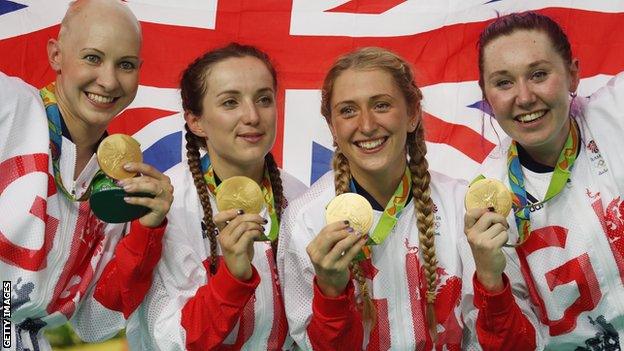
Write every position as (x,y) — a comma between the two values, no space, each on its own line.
(371,144)
(99,99)
(530,117)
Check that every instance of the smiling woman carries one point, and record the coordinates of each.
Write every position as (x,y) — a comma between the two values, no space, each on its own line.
(216,285)
(565,168)
(346,290)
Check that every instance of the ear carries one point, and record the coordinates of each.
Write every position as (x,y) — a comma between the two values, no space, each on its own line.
(193,123)
(574,75)
(54,55)
(414,119)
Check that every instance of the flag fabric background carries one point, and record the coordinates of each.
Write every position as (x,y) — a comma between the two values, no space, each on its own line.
(303,37)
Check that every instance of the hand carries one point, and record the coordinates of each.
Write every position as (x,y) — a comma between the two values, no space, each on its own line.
(153,182)
(487,233)
(237,232)
(331,252)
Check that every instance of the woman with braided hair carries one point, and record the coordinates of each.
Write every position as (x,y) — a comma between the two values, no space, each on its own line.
(392,289)
(216,286)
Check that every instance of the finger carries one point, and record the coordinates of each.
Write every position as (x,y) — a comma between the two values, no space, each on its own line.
(247,239)
(352,252)
(145,169)
(500,239)
(141,185)
(339,249)
(234,232)
(472,216)
(327,238)
(222,218)
(488,219)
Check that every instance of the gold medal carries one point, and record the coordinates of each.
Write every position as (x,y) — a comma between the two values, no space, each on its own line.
(486,193)
(352,207)
(115,151)
(239,192)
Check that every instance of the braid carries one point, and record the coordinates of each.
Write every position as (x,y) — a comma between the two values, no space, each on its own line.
(278,191)
(342,178)
(192,153)
(423,208)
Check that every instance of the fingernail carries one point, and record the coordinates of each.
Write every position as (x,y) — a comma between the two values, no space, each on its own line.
(120,183)
(350,230)
(127,166)
(126,199)
(265,221)
(240,212)
(127,187)
(491,209)
(346,222)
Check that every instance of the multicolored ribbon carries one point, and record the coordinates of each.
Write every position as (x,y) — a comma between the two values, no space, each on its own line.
(390,215)
(267,191)
(560,176)
(56,139)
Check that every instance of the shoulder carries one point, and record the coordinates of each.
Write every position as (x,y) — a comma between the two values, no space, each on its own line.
(321,189)
(293,187)
(19,96)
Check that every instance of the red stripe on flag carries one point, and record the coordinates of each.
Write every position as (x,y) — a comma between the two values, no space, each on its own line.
(373,7)
(458,136)
(132,120)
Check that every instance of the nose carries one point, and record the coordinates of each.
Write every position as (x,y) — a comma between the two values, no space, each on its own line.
(368,122)
(107,77)
(525,97)
(251,116)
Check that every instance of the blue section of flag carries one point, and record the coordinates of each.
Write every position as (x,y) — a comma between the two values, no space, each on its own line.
(165,153)
(9,6)
(321,160)
(483,106)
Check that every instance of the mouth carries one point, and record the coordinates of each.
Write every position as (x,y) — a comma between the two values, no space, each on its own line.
(251,137)
(100,99)
(371,145)
(530,117)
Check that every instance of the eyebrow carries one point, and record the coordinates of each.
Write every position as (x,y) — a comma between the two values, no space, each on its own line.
(103,54)
(531,65)
(236,92)
(374,97)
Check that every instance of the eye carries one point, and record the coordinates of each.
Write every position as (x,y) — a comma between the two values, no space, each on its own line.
(265,100)
(347,111)
(93,59)
(127,66)
(230,103)
(539,75)
(382,106)
(503,84)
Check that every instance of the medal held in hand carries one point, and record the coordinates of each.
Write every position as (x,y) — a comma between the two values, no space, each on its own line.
(486,193)
(353,208)
(107,198)
(243,193)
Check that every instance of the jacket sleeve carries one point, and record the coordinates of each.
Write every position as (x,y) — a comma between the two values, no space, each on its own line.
(500,321)
(128,276)
(335,323)
(316,322)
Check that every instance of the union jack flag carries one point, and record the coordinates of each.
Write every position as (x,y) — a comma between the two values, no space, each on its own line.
(304,37)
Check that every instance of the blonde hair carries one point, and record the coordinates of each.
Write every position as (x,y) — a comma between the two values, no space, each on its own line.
(372,58)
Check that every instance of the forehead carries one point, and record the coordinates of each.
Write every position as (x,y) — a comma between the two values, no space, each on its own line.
(241,74)
(354,84)
(521,47)
(111,32)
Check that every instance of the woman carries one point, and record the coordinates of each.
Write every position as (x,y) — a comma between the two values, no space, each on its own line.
(216,287)
(372,107)
(566,170)
(62,262)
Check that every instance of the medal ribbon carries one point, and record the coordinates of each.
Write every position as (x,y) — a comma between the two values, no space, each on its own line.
(56,139)
(560,176)
(267,191)
(391,213)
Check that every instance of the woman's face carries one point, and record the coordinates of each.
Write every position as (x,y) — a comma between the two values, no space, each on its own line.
(239,112)
(527,83)
(370,121)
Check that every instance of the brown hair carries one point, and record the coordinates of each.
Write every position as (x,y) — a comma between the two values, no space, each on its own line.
(371,59)
(193,87)
(508,24)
